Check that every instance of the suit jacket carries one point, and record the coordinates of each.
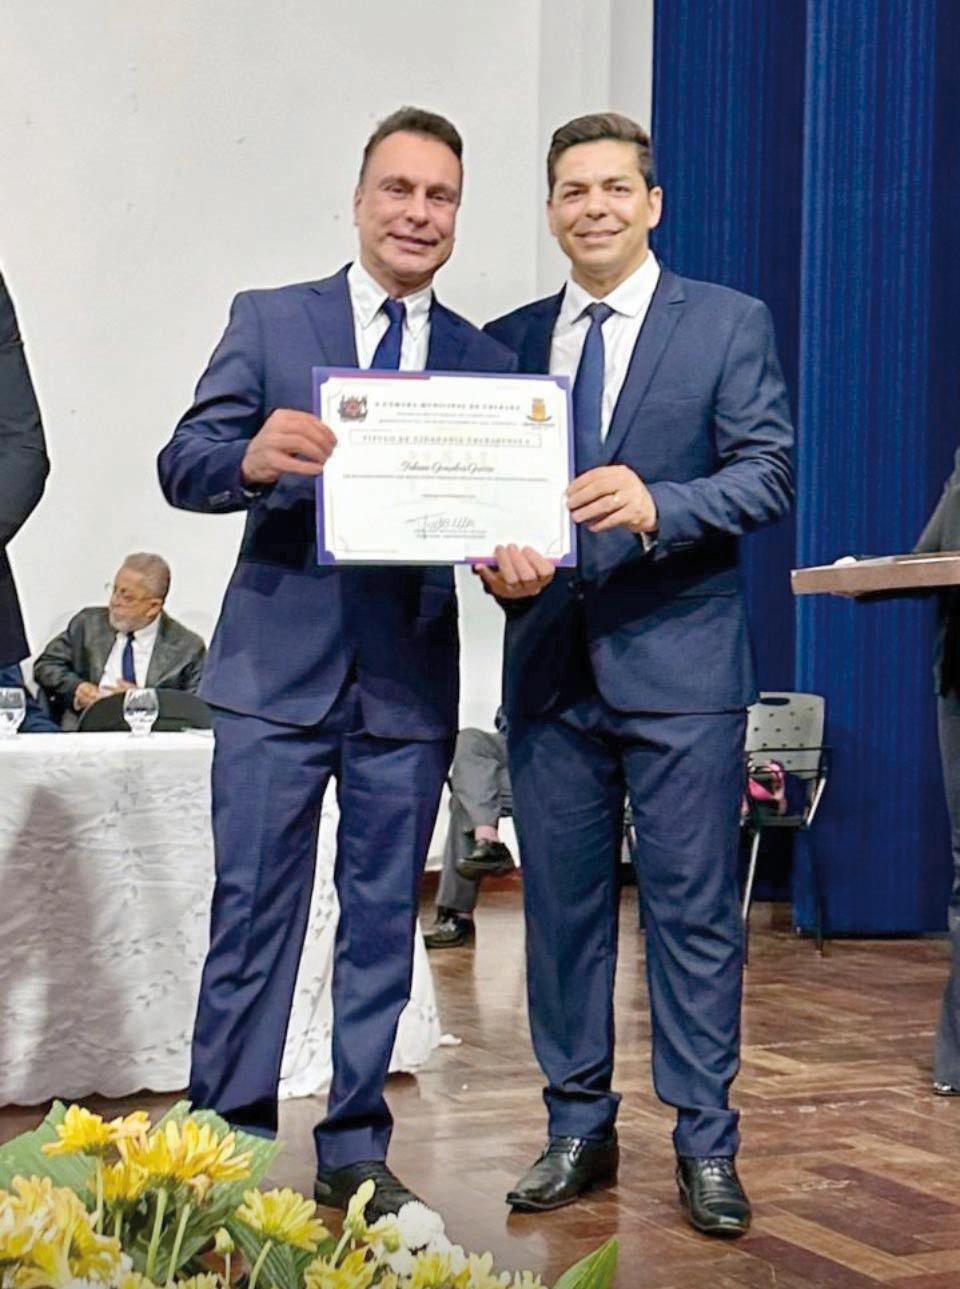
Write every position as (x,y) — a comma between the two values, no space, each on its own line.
(23,469)
(703,418)
(290,630)
(35,719)
(81,651)
(942,533)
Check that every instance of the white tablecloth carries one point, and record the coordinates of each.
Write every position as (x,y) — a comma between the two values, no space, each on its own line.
(106,870)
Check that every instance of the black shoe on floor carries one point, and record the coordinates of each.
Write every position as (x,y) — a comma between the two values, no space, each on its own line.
(487,859)
(335,1187)
(450,930)
(945,1089)
(567,1169)
(710,1191)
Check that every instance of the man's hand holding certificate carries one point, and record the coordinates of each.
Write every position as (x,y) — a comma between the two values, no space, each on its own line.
(445,469)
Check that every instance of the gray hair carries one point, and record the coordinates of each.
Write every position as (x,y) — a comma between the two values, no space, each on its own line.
(154,570)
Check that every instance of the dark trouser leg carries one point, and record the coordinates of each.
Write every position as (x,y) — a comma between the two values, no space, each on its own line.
(685,777)
(268,784)
(456,892)
(946,1057)
(389,792)
(568,807)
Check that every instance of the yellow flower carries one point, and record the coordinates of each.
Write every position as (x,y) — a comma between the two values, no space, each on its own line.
(134,1280)
(527,1280)
(384,1234)
(69,1248)
(480,1273)
(190,1153)
(124,1183)
(23,1220)
(223,1242)
(283,1215)
(354,1222)
(84,1133)
(206,1281)
(435,1271)
(354,1272)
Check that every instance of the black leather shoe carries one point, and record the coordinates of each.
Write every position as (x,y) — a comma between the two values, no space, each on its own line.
(450,930)
(335,1187)
(710,1191)
(945,1089)
(567,1169)
(487,859)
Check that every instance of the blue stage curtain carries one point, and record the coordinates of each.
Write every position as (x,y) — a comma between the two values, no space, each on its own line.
(728,130)
(810,154)
(872,453)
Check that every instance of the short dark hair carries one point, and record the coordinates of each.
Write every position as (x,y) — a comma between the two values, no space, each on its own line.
(414,120)
(593,128)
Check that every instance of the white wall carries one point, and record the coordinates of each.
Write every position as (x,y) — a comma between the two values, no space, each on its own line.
(156,159)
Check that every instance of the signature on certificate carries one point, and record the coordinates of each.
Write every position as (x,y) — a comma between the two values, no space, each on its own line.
(438,524)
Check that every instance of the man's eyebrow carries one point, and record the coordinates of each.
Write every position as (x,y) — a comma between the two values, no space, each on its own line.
(395,179)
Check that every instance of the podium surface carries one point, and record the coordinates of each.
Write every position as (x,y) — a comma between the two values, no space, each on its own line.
(888,573)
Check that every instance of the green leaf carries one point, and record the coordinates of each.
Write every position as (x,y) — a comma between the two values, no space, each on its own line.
(595,1271)
(283,1266)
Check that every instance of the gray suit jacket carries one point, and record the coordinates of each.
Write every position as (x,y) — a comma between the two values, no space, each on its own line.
(942,533)
(23,469)
(80,654)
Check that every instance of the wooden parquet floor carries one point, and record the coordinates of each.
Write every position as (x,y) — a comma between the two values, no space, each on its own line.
(850,1161)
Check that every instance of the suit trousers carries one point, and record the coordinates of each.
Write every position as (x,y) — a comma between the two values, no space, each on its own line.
(946,1054)
(268,786)
(684,774)
(479,794)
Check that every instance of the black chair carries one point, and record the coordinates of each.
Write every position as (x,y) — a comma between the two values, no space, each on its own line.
(178,711)
(787,728)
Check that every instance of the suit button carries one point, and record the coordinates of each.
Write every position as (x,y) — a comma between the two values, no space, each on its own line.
(576,587)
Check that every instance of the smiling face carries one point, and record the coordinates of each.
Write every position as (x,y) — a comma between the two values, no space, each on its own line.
(405,210)
(601,212)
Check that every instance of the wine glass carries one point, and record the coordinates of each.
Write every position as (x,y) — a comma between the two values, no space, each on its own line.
(140,710)
(13,708)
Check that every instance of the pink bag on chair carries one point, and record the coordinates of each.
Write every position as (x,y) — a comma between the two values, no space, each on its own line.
(766,789)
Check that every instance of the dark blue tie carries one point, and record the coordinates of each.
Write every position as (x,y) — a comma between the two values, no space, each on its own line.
(387,356)
(588,390)
(127,669)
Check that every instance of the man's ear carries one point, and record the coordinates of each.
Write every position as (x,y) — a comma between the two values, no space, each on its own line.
(655,199)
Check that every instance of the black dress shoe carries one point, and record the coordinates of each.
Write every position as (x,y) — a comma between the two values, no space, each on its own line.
(450,930)
(334,1188)
(710,1191)
(945,1089)
(568,1168)
(487,859)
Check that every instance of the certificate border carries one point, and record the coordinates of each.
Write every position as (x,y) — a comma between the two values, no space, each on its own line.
(320,376)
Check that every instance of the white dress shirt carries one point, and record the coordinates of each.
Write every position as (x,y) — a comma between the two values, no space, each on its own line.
(143,642)
(630,302)
(370,323)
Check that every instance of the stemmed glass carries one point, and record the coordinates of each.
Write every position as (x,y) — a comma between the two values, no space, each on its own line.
(13,708)
(140,710)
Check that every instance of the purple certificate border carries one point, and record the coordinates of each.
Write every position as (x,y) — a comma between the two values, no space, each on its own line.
(322,374)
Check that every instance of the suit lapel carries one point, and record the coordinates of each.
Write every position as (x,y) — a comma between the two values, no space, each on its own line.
(534,352)
(158,658)
(102,638)
(331,316)
(662,316)
(448,340)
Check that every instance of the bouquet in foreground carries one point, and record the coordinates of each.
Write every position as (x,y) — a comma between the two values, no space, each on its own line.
(131,1205)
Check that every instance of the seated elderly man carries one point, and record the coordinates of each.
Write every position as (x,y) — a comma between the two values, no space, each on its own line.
(130,643)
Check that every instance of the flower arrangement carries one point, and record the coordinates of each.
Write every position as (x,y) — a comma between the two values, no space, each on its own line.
(91,1204)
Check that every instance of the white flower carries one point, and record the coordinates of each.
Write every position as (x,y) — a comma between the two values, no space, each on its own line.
(418,1224)
(401,1262)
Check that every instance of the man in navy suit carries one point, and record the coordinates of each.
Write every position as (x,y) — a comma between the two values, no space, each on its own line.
(630,674)
(318,671)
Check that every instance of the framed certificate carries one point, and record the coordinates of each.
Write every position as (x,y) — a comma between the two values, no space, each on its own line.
(442,467)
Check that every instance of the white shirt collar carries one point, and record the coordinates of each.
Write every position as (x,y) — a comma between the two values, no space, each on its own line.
(631,297)
(367,297)
(144,635)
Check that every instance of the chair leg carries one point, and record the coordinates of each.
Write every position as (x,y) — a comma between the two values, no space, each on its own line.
(748,894)
(817,890)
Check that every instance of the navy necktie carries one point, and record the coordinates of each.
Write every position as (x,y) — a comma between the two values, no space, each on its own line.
(387,356)
(127,669)
(588,390)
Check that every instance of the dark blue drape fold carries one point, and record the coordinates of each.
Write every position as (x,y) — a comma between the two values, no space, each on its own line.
(810,155)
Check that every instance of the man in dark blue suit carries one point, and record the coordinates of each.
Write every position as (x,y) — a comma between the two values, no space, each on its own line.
(630,675)
(318,671)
